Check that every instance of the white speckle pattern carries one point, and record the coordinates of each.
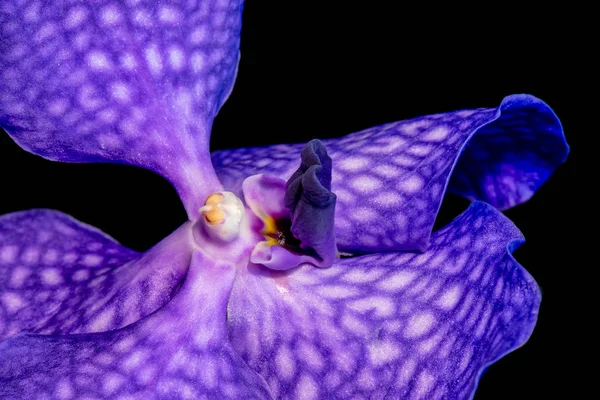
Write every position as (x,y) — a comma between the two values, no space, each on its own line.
(128,61)
(198,62)
(379,325)
(110,15)
(402,168)
(154,59)
(286,364)
(420,324)
(64,390)
(75,16)
(120,91)
(92,260)
(176,58)
(437,134)
(362,332)
(67,268)
(365,184)
(123,363)
(99,61)
(354,163)
(381,353)
(86,68)
(398,280)
(307,388)
(169,15)
(51,277)
(12,302)
(450,298)
(8,253)
(412,184)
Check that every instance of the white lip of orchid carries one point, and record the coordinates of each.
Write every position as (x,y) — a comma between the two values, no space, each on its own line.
(222,215)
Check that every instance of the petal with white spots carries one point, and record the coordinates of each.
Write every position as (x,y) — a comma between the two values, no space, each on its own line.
(179,352)
(58,275)
(120,82)
(390,179)
(389,325)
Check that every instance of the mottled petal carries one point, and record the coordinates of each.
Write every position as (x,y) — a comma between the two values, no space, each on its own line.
(508,160)
(396,325)
(390,180)
(58,275)
(128,82)
(179,352)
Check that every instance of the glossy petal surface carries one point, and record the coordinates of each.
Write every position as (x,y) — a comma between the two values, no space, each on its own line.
(397,325)
(135,82)
(179,352)
(58,275)
(390,180)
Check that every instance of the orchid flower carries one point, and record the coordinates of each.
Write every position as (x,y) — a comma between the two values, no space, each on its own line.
(304,271)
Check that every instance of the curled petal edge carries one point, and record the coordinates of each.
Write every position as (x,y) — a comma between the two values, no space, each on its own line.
(390,179)
(370,313)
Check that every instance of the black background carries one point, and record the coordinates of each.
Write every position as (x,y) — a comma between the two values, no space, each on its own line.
(309,71)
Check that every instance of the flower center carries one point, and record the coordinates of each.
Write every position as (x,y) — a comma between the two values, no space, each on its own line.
(297,216)
(282,225)
(278,232)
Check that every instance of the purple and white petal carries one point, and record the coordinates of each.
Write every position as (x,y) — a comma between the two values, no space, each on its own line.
(396,325)
(134,82)
(264,195)
(58,275)
(179,352)
(278,258)
(390,180)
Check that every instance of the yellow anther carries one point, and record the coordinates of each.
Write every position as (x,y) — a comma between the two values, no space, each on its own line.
(213,199)
(214,215)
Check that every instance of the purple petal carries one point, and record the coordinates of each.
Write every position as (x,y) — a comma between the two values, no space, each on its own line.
(181,351)
(58,275)
(122,82)
(511,159)
(396,325)
(390,180)
(265,196)
(278,258)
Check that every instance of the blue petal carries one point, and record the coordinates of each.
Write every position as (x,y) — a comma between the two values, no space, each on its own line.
(401,325)
(390,180)
(179,352)
(508,160)
(121,82)
(58,275)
